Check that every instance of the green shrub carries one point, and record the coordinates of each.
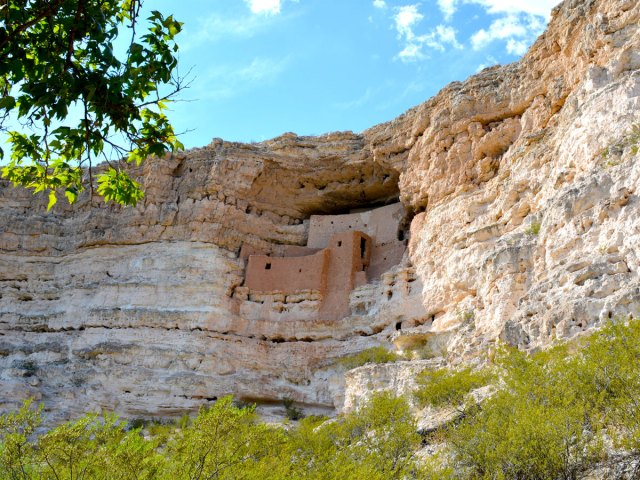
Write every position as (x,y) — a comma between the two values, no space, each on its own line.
(442,387)
(371,355)
(547,419)
(291,411)
(630,140)
(533,229)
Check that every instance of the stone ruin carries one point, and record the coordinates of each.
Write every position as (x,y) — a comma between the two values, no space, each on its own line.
(343,252)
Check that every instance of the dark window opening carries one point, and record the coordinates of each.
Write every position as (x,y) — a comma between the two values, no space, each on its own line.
(400,235)
(363,247)
(267,266)
(340,243)
(299,270)
(398,325)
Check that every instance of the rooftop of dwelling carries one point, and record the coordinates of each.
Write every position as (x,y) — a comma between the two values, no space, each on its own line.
(263,67)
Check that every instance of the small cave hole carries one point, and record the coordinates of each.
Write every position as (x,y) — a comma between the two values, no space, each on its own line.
(389,295)
(400,235)
(398,325)
(267,266)
(609,315)
(211,399)
(340,243)
(190,169)
(363,247)
(299,270)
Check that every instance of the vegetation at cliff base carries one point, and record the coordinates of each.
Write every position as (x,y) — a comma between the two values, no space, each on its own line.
(550,415)
(553,413)
(71,94)
(379,441)
(371,355)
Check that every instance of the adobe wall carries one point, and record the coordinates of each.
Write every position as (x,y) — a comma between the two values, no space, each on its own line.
(277,251)
(384,257)
(381,224)
(287,274)
(349,257)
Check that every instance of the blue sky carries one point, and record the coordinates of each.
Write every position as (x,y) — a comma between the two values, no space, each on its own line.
(265,67)
(260,68)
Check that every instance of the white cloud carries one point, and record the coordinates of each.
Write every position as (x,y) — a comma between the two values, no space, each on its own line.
(490,61)
(531,7)
(517,47)
(226,81)
(406,18)
(448,8)
(267,7)
(379,4)
(215,27)
(518,31)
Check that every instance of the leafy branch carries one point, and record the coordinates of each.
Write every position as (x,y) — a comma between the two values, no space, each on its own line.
(56,59)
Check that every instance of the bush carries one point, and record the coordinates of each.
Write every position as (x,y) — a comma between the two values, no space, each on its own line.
(442,387)
(549,417)
(533,229)
(371,355)
(291,411)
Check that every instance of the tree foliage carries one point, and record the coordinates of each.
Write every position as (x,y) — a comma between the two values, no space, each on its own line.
(378,441)
(443,387)
(554,411)
(78,100)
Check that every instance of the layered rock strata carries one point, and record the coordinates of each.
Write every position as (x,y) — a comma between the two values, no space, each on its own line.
(521,191)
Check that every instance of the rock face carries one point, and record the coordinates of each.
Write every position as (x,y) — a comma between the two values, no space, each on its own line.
(520,189)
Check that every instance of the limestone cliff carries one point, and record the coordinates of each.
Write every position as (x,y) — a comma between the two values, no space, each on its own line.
(520,187)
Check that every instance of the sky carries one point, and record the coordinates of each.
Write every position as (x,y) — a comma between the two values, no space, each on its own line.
(261,68)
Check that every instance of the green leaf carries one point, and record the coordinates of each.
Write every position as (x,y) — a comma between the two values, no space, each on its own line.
(7,102)
(52,200)
(71,194)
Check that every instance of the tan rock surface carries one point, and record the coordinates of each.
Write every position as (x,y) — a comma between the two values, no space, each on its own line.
(520,230)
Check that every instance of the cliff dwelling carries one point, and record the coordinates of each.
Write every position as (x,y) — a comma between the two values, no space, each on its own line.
(343,252)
